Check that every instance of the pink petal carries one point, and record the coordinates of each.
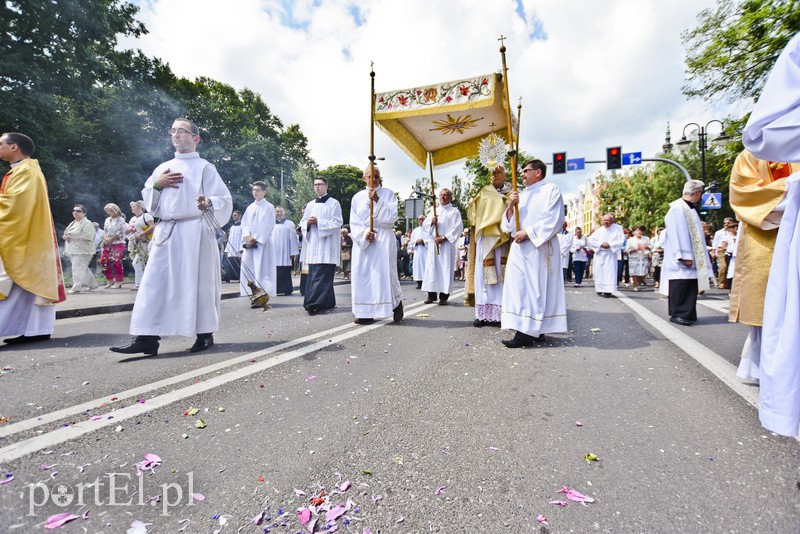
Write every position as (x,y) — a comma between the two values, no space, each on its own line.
(152,457)
(367,531)
(45,467)
(376,498)
(95,418)
(304,515)
(345,486)
(559,503)
(258,519)
(578,423)
(493,449)
(311,524)
(575,495)
(8,478)
(55,521)
(335,513)
(85,515)
(331,527)
(299,493)
(541,519)
(439,490)
(198,496)
(311,377)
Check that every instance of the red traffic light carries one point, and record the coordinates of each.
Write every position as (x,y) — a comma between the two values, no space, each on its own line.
(559,156)
(614,151)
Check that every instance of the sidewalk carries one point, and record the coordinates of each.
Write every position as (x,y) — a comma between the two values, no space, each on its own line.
(103,300)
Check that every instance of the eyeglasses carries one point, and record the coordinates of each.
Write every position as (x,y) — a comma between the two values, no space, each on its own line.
(77,211)
(528,170)
(181,131)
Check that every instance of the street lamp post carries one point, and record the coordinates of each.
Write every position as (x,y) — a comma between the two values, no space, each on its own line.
(702,141)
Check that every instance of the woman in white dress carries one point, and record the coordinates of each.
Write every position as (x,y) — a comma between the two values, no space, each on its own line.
(638,249)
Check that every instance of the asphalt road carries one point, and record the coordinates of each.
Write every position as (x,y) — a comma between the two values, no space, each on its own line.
(433,423)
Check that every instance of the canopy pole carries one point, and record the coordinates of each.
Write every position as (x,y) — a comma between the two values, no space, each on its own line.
(512,153)
(433,195)
(519,123)
(371,144)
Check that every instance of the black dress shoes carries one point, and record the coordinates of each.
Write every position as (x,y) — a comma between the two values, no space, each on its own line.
(680,320)
(480,323)
(397,313)
(443,299)
(26,339)
(138,346)
(431,298)
(363,321)
(419,284)
(203,342)
(516,342)
(313,310)
(522,340)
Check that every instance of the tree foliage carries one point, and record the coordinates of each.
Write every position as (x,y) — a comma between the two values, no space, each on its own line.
(734,46)
(99,116)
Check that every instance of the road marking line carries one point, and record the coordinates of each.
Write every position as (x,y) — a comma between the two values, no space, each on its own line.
(719,366)
(61,435)
(721,306)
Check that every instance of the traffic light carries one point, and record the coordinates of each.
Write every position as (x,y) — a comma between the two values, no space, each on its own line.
(614,158)
(559,163)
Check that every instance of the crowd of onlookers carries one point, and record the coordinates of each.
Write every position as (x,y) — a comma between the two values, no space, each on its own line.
(643,255)
(92,249)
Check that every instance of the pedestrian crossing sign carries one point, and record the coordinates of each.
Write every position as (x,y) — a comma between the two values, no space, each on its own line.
(712,201)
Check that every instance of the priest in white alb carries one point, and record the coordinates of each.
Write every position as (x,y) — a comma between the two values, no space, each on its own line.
(687,267)
(534,303)
(419,252)
(258,259)
(375,285)
(773,133)
(606,242)
(285,244)
(442,232)
(181,288)
(321,226)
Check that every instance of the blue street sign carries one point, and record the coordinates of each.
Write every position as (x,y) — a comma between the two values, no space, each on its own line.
(712,201)
(632,158)
(576,164)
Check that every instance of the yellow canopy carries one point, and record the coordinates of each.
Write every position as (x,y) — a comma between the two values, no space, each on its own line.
(446,119)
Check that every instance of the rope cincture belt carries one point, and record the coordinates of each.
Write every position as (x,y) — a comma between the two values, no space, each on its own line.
(172,223)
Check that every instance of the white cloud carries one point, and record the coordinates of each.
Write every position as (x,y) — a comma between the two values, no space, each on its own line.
(608,73)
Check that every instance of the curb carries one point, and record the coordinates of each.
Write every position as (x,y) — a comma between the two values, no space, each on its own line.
(128,306)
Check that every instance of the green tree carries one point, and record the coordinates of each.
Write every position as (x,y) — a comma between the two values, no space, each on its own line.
(734,46)
(344,181)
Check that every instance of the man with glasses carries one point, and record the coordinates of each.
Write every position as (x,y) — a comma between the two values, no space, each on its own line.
(533,293)
(321,226)
(181,287)
(30,269)
(487,258)
(375,286)
(442,233)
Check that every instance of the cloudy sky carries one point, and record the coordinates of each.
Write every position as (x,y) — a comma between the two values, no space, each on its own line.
(591,73)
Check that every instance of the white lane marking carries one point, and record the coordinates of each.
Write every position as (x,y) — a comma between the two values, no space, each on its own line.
(722,306)
(719,366)
(60,435)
